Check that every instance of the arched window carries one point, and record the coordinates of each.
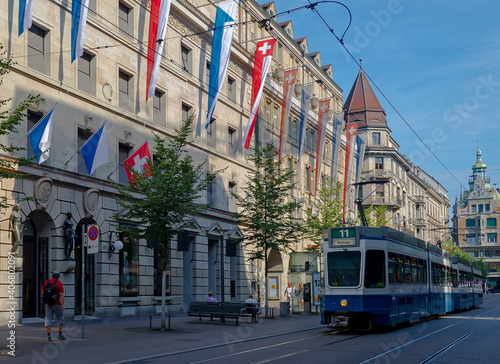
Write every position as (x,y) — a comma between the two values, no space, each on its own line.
(274,262)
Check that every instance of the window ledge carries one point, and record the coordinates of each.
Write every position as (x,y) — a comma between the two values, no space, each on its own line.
(129,301)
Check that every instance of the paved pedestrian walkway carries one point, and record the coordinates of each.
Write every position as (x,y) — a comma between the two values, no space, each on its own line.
(110,340)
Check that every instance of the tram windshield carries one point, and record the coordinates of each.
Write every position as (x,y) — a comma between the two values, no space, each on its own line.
(344,268)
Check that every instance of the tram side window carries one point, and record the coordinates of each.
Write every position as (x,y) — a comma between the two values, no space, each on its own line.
(425,271)
(454,278)
(414,270)
(434,272)
(420,271)
(401,268)
(375,269)
(407,269)
(393,273)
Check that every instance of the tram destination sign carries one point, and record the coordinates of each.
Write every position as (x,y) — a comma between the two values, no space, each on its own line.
(343,237)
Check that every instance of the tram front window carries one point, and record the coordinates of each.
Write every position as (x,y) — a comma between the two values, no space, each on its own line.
(344,268)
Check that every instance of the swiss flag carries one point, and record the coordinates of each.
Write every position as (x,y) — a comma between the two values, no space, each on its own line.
(138,162)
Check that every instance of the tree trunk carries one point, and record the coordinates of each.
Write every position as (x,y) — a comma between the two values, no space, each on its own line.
(266,284)
(163,286)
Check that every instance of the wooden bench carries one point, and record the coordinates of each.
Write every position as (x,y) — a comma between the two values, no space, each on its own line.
(219,309)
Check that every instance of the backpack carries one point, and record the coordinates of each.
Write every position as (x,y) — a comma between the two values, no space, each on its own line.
(49,293)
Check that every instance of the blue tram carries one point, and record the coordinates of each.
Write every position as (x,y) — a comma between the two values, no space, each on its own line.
(383,276)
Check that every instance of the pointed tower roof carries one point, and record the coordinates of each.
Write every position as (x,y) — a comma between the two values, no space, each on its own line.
(479,162)
(362,104)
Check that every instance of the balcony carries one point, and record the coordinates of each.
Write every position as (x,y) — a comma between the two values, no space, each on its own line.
(420,199)
(418,221)
(379,173)
(391,202)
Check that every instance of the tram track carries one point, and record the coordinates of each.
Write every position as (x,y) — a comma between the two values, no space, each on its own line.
(442,350)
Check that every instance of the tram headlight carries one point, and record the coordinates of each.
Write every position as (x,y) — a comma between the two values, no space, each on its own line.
(343,303)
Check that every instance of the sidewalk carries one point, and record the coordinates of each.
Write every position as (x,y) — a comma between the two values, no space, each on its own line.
(114,339)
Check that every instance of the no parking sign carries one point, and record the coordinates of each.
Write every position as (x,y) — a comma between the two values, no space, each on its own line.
(92,239)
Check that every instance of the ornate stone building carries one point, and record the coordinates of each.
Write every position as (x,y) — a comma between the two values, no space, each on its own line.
(416,202)
(475,220)
(108,85)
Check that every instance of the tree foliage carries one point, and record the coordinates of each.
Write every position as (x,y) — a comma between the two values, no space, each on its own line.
(269,221)
(455,251)
(375,216)
(164,200)
(9,121)
(327,212)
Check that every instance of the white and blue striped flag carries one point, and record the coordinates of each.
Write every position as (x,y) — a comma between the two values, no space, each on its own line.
(221,51)
(95,150)
(78,19)
(25,15)
(40,137)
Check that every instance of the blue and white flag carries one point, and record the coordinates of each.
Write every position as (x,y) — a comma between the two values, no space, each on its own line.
(40,136)
(78,20)
(338,118)
(221,51)
(95,150)
(305,104)
(25,15)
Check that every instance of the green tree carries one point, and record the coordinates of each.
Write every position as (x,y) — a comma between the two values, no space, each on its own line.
(375,216)
(268,220)
(327,212)
(9,121)
(164,199)
(455,251)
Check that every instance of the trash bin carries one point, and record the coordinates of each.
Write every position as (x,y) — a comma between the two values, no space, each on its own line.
(284,309)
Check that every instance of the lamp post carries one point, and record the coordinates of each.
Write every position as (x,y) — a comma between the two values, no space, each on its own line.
(359,201)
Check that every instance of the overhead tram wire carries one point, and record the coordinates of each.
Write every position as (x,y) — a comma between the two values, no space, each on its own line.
(313,8)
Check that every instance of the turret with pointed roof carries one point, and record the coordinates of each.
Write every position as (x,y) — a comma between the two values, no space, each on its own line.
(362,105)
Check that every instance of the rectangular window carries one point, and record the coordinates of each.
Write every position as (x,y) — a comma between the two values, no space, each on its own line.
(492,238)
(232,141)
(470,239)
(125,90)
(376,138)
(159,110)
(375,269)
(231,89)
(126,19)
(407,269)
(343,268)
(401,268)
(392,265)
(207,71)
(38,49)
(480,209)
(276,118)
(487,207)
(309,176)
(86,73)
(491,221)
(470,222)
(83,136)
(32,119)
(123,154)
(129,266)
(379,163)
(187,111)
(92,7)
(473,209)
(186,59)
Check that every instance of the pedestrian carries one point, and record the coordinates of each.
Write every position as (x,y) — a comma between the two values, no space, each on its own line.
(288,295)
(492,290)
(211,297)
(53,296)
(252,306)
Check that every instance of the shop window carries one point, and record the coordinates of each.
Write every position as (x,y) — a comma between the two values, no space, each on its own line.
(129,266)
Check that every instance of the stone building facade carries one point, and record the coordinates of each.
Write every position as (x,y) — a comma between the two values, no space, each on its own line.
(108,85)
(476,215)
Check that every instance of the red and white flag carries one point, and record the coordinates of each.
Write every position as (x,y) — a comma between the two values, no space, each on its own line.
(351,133)
(324,108)
(137,163)
(263,57)
(157,29)
(288,86)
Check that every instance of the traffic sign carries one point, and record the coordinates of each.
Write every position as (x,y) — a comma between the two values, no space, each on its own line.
(93,239)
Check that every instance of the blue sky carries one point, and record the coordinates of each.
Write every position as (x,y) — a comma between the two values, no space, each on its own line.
(438,63)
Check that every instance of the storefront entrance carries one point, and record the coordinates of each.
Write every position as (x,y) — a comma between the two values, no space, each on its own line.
(302,267)
(35,270)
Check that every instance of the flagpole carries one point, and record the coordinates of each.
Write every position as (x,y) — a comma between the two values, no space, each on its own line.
(34,126)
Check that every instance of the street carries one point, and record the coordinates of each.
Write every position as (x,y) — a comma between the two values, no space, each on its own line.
(465,337)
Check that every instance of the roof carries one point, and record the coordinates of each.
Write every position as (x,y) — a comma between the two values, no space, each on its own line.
(363,106)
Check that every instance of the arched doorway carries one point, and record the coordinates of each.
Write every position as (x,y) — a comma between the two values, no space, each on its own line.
(89,272)
(35,264)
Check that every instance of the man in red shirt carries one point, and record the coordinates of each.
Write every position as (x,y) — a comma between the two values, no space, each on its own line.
(57,308)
